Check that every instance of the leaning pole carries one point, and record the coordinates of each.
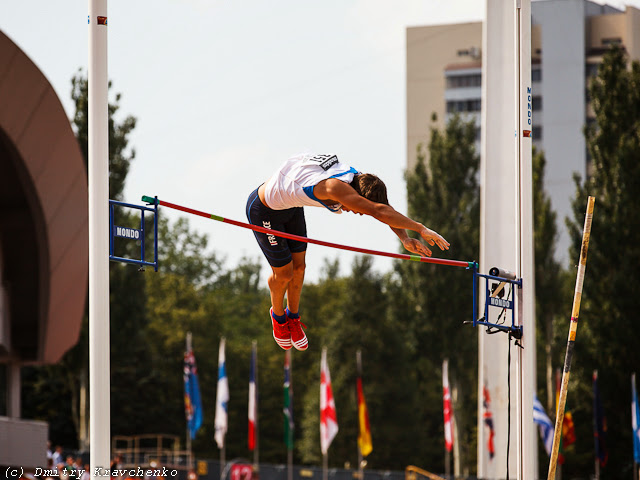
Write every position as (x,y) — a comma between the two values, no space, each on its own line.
(99,375)
(573,329)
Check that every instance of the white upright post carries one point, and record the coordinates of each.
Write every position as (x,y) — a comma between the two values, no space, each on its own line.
(99,345)
(498,224)
(526,356)
(506,235)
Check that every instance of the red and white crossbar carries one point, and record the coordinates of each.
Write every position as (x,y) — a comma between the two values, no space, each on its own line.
(256,228)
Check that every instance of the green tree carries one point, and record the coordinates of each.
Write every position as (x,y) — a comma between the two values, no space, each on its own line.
(120,156)
(443,194)
(549,277)
(608,311)
(127,306)
(357,317)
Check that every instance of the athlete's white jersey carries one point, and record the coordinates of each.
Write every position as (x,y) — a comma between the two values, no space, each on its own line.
(292,185)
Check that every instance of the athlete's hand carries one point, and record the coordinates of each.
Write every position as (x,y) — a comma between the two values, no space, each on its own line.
(416,246)
(434,238)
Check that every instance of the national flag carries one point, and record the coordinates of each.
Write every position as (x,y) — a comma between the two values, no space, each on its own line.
(599,424)
(288,402)
(446,405)
(544,424)
(328,417)
(488,420)
(635,420)
(222,398)
(253,398)
(364,433)
(192,401)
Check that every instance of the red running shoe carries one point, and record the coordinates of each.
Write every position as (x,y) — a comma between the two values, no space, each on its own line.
(281,332)
(298,337)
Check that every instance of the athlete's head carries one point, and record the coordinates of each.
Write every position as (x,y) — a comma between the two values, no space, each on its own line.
(370,187)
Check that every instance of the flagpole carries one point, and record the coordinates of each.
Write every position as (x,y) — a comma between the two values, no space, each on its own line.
(328,418)
(573,328)
(595,429)
(359,370)
(447,462)
(325,464)
(222,455)
(256,450)
(289,431)
(189,459)
(634,411)
(222,398)
(456,433)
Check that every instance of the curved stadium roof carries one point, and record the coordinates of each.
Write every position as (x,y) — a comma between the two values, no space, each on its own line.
(43,217)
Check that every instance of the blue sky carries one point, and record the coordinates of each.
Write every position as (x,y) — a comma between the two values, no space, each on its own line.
(224,91)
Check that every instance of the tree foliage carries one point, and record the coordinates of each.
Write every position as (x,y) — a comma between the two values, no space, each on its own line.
(443,194)
(405,322)
(612,282)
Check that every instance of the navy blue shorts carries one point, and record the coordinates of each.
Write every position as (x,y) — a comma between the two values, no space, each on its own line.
(278,250)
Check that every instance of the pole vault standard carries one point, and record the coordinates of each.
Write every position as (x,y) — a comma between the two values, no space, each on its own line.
(268,231)
(573,328)
(99,363)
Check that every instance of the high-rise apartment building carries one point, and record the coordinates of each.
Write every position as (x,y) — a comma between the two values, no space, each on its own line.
(568,39)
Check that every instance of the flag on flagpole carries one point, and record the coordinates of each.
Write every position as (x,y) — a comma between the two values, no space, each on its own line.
(288,402)
(488,420)
(635,419)
(192,401)
(364,434)
(446,405)
(253,398)
(599,424)
(328,417)
(222,398)
(544,424)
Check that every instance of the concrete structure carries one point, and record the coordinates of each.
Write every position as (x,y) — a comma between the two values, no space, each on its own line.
(568,39)
(43,237)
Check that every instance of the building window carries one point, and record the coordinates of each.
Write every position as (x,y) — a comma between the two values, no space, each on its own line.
(612,41)
(536,132)
(459,106)
(536,75)
(464,81)
(591,69)
(536,104)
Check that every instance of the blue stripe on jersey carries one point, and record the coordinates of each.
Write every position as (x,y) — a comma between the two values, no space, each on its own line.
(309,191)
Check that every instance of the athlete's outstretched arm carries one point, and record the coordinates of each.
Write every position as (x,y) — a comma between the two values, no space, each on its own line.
(338,191)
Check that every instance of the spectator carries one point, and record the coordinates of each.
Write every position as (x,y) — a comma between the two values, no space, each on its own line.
(69,465)
(56,457)
(116,464)
(63,473)
(87,473)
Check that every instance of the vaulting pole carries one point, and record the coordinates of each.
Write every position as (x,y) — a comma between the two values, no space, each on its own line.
(268,231)
(99,376)
(573,327)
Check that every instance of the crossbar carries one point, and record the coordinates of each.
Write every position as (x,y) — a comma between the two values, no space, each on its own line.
(256,228)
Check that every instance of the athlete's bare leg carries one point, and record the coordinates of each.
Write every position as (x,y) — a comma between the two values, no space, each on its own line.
(278,283)
(295,285)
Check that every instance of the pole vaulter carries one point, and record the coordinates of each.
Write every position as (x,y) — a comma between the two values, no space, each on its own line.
(256,228)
